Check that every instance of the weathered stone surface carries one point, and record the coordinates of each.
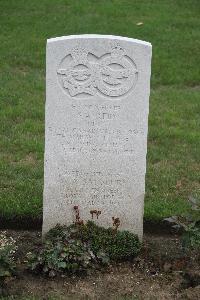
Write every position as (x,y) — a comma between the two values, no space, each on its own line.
(97,102)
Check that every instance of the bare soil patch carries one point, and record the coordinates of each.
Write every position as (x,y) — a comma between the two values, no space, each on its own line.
(162,271)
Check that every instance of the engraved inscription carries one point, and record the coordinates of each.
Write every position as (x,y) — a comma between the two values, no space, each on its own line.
(83,74)
(95,135)
(83,140)
(104,187)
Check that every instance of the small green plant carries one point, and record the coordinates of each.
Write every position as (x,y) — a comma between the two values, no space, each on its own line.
(190,224)
(77,248)
(62,255)
(119,245)
(7,263)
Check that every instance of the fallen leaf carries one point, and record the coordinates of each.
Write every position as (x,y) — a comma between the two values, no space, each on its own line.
(139,23)
(167,267)
(178,184)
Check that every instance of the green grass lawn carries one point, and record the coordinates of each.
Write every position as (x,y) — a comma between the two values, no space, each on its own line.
(173,171)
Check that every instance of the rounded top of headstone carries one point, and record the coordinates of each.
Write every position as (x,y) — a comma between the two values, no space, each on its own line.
(99,36)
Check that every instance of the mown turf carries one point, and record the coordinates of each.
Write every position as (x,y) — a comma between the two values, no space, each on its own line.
(172,27)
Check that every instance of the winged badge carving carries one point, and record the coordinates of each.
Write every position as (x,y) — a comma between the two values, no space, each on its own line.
(83,74)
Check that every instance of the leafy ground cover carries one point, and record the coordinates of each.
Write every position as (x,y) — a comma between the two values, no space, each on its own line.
(161,271)
(173,170)
(76,249)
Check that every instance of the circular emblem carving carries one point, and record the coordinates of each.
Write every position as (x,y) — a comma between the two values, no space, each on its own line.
(82,74)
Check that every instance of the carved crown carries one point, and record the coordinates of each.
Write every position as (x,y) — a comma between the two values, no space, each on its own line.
(117,52)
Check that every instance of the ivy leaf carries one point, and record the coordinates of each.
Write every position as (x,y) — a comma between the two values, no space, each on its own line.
(194,203)
(62,264)
(173,219)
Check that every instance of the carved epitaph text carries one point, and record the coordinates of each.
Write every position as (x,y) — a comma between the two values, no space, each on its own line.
(97,95)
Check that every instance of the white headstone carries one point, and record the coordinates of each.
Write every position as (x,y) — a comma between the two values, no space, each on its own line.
(97,102)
